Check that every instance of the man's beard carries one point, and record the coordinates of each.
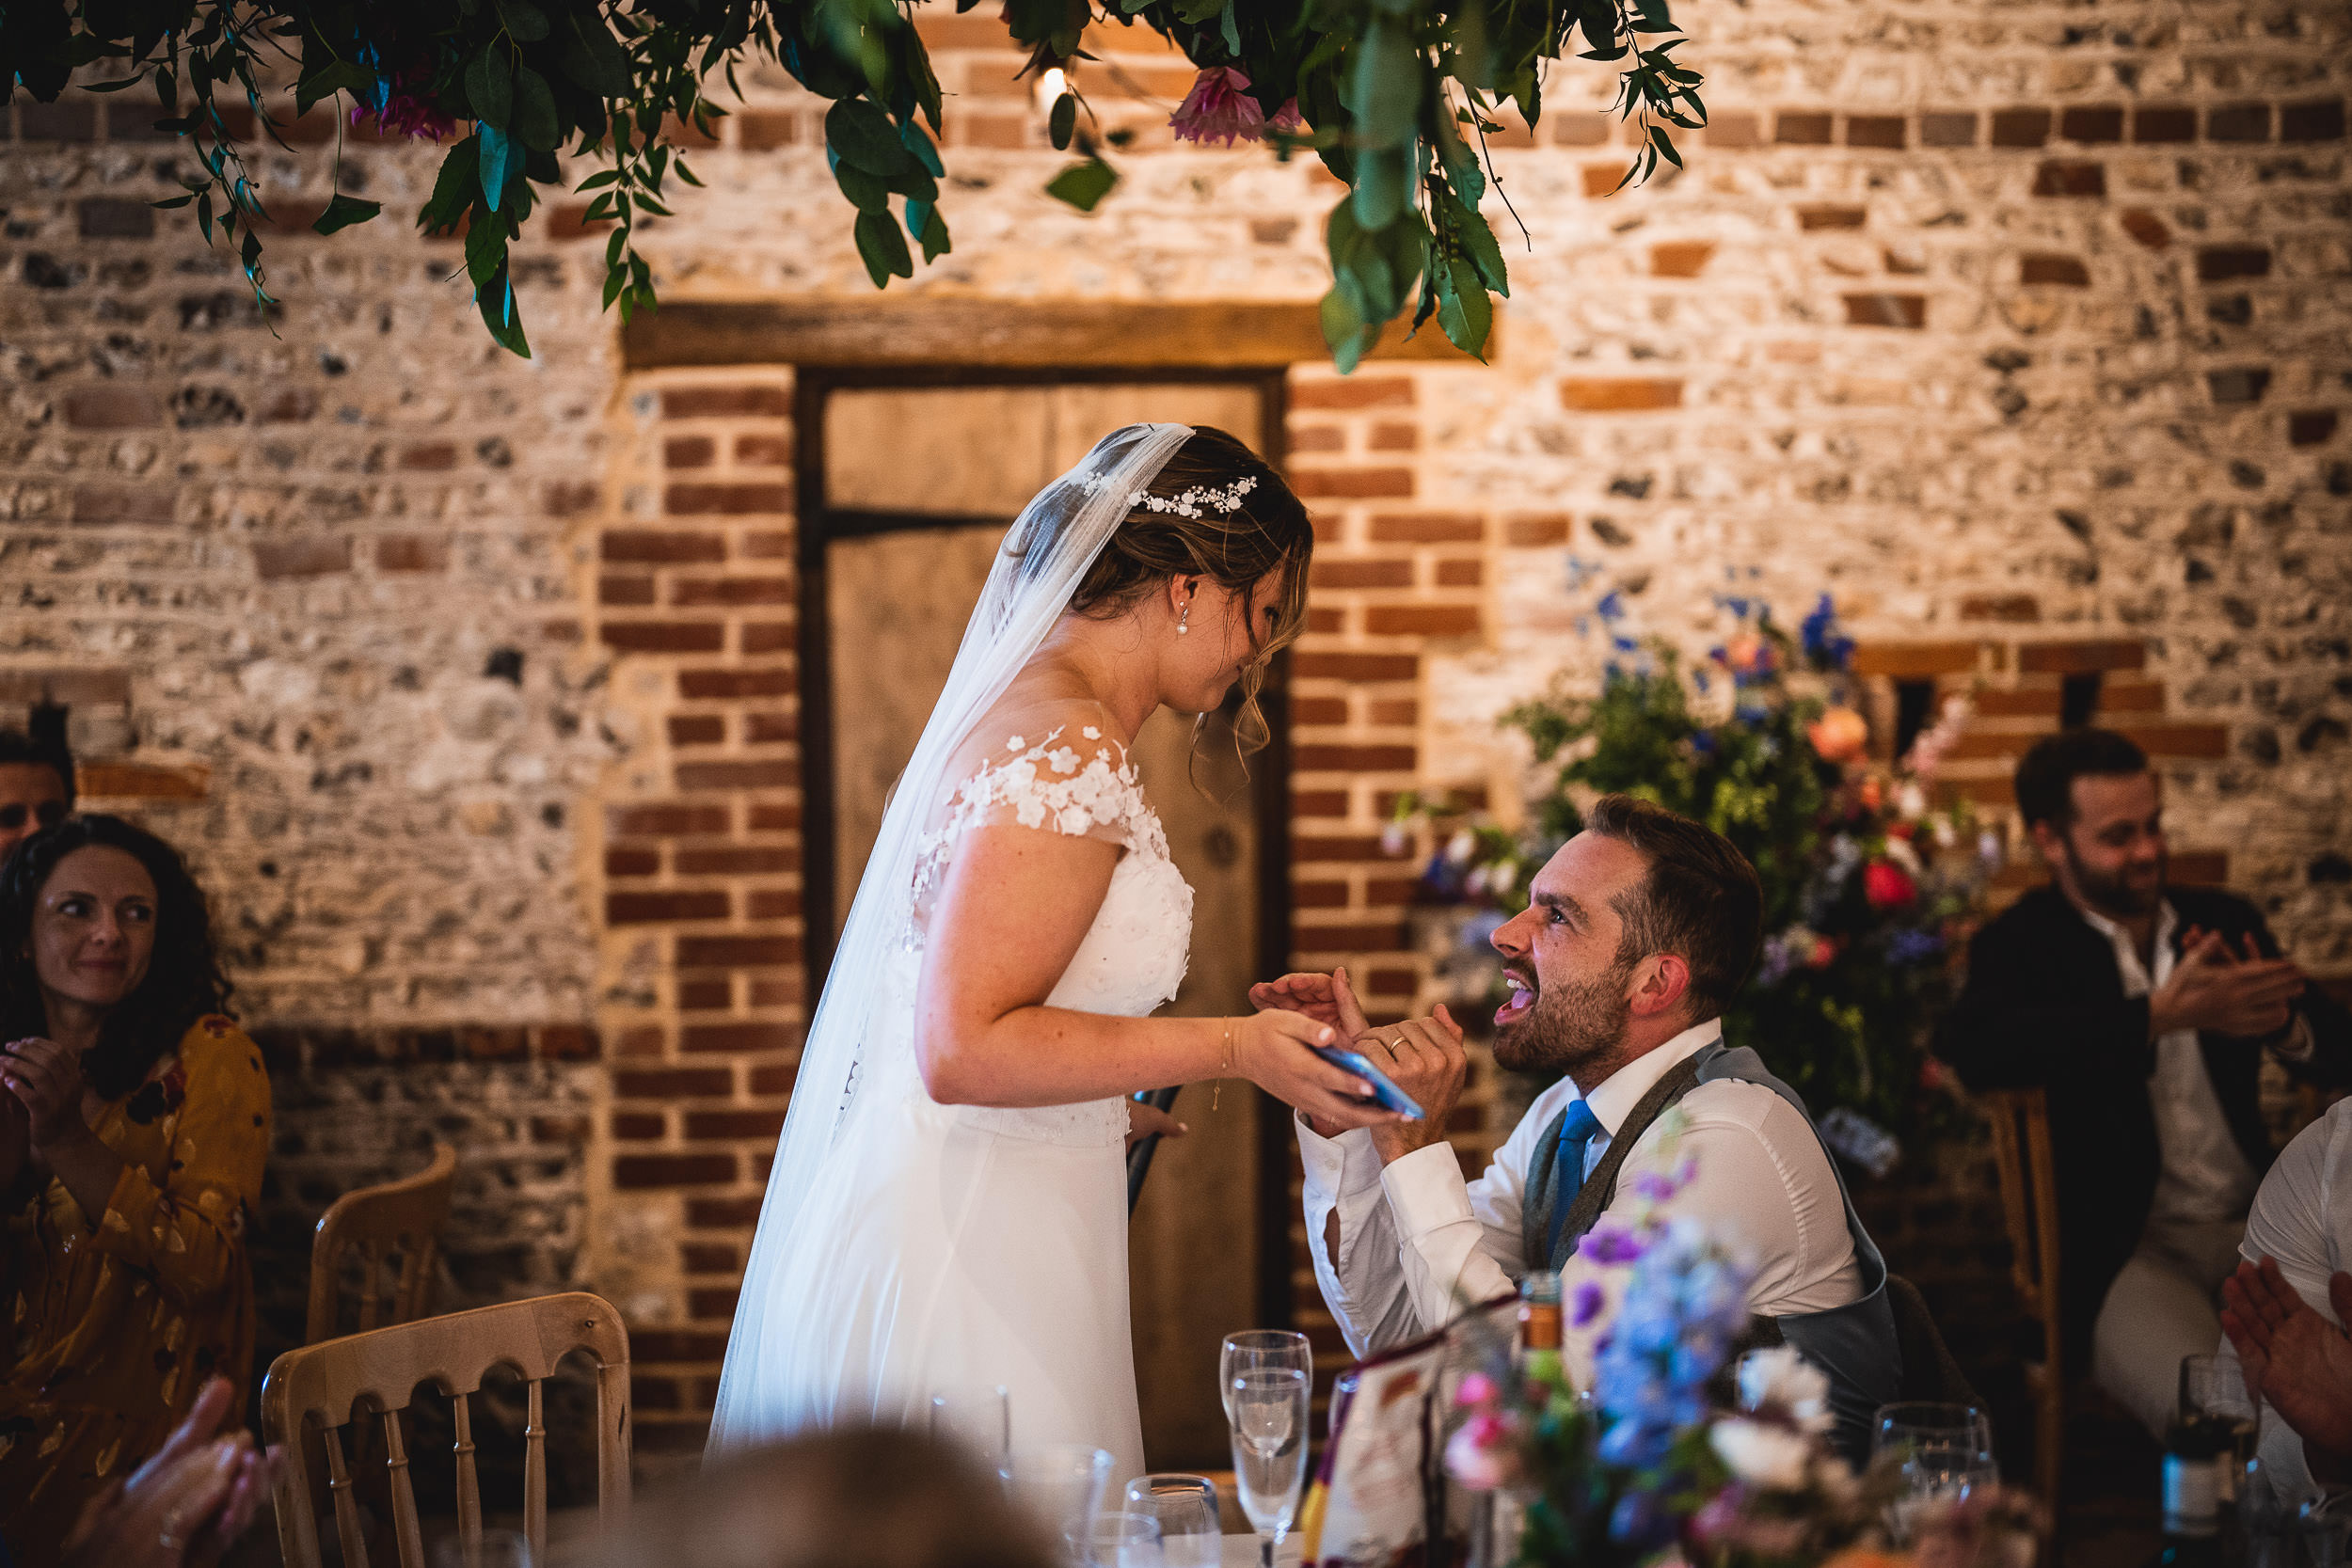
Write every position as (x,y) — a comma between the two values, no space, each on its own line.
(1574,1025)
(2115,896)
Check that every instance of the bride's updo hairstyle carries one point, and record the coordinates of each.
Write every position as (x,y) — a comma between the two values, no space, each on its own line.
(1268,532)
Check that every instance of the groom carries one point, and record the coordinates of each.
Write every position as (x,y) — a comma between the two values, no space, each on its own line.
(1637,933)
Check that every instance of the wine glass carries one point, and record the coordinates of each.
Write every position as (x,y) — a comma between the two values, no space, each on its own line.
(1254,1348)
(1061,1484)
(980,1420)
(1945,1451)
(1185,1507)
(1269,1420)
(1125,1541)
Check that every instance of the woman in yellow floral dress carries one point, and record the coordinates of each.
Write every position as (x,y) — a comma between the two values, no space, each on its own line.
(133,1122)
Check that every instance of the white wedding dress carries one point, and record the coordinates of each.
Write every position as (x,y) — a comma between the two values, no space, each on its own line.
(952,1248)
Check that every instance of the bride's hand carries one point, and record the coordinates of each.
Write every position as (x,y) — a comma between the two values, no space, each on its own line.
(1325,998)
(1275,1051)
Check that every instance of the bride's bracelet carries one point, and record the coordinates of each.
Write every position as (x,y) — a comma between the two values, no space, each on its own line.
(1224,1068)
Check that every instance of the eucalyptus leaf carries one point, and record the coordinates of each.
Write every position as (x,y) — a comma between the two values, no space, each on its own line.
(524,22)
(344,210)
(866,192)
(1082,185)
(453,187)
(496,300)
(925,223)
(1387,86)
(590,56)
(1229,27)
(910,136)
(1469,229)
(535,121)
(858,131)
(1464,312)
(498,162)
(1383,186)
(491,87)
(1063,122)
(334,77)
(486,249)
(883,247)
(915,184)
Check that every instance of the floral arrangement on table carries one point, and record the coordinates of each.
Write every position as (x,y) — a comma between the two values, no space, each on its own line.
(1650,1470)
(1396,97)
(1870,887)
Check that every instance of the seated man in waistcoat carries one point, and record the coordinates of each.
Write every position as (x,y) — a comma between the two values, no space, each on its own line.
(2144,1010)
(1639,930)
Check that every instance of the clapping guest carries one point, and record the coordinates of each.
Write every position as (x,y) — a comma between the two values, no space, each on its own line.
(133,1121)
(35,788)
(2287,1303)
(2144,1010)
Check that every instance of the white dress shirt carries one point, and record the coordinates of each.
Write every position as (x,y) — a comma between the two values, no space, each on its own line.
(2302,1216)
(2204,1175)
(1416,1242)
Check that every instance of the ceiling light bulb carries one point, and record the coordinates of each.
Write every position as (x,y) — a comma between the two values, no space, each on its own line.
(1051,85)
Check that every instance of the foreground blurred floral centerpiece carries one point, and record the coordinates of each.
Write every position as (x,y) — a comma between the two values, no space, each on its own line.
(1650,1468)
(1870,887)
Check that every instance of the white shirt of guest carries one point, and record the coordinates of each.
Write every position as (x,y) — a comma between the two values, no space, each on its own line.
(2204,1175)
(1416,1243)
(2302,1216)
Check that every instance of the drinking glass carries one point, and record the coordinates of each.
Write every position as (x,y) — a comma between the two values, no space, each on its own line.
(500,1548)
(1945,1451)
(1061,1484)
(980,1420)
(2326,1524)
(1185,1507)
(1125,1541)
(1269,1420)
(2213,1397)
(1256,1348)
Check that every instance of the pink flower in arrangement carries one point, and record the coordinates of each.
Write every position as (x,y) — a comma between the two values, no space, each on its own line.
(1481,1455)
(405,115)
(1220,109)
(1476,1388)
(1888,886)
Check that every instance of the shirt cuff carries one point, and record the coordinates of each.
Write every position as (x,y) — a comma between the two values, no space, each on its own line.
(1426,1191)
(1342,1165)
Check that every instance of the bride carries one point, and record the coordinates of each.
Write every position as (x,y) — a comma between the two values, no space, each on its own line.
(948,1208)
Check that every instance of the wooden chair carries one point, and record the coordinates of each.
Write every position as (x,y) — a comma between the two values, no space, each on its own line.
(2020,1120)
(403,1217)
(322,1383)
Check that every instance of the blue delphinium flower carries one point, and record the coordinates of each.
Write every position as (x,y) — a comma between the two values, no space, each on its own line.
(1824,645)
(1684,1303)
(1911,947)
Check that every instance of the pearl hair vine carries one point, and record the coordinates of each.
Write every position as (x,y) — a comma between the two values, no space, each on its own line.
(1225,500)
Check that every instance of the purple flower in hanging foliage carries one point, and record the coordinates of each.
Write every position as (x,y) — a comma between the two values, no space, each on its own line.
(1611,606)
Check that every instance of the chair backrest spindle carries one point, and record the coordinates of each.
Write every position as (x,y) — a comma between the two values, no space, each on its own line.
(405,1216)
(324,1383)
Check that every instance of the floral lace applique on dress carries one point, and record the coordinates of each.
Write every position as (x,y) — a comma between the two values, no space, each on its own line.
(1047,786)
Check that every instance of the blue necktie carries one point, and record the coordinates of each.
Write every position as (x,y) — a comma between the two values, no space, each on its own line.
(1568,1168)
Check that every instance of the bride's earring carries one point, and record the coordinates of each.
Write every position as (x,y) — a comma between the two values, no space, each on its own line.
(1184,618)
